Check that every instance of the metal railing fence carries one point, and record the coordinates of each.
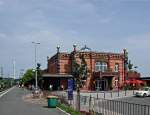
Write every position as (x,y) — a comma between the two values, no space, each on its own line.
(101,106)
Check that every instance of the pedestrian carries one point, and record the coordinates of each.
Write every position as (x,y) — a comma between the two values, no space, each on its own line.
(62,87)
(50,87)
(32,87)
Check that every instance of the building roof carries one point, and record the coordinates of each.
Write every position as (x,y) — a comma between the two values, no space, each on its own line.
(88,52)
(145,78)
(57,75)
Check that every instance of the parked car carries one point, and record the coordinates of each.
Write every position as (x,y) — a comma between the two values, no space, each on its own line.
(144,92)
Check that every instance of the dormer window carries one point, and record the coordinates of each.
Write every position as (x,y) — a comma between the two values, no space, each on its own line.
(100,66)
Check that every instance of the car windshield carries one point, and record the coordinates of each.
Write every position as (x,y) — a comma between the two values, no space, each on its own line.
(145,89)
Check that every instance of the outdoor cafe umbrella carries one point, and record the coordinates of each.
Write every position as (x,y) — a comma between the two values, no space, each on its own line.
(134,81)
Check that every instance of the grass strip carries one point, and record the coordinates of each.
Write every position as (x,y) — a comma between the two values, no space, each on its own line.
(68,109)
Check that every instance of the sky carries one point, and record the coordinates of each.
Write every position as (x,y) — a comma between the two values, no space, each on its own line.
(103,25)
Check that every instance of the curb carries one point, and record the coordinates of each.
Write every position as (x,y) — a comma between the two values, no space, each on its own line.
(63,111)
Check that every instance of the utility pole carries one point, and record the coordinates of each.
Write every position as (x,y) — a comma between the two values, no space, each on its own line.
(14,69)
(21,73)
(36,82)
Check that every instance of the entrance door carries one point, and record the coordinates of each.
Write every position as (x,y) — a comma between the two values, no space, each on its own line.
(97,85)
(101,84)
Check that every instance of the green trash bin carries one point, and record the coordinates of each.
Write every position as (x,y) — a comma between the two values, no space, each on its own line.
(52,101)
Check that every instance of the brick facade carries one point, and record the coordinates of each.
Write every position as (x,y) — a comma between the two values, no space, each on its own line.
(61,63)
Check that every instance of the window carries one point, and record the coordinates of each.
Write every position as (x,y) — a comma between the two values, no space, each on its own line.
(101,66)
(116,67)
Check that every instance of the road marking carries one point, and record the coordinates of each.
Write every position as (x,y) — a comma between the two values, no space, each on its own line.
(1,95)
(63,111)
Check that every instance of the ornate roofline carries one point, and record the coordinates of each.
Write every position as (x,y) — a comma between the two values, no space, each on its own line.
(95,55)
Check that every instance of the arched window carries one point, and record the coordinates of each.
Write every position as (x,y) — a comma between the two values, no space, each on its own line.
(116,67)
(100,66)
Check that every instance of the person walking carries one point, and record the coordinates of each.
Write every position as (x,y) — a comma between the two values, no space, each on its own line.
(62,87)
(50,87)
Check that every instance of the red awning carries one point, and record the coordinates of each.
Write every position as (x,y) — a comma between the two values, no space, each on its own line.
(134,81)
(127,81)
(140,81)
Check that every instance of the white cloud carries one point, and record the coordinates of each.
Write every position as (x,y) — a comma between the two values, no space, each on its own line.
(2,35)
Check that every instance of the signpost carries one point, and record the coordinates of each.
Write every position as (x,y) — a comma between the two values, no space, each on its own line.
(70,89)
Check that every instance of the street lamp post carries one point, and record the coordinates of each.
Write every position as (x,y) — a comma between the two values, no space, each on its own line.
(118,82)
(125,64)
(36,84)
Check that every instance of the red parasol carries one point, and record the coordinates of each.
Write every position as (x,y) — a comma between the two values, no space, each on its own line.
(139,81)
(134,81)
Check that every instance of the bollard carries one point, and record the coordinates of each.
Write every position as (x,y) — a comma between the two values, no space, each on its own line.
(97,95)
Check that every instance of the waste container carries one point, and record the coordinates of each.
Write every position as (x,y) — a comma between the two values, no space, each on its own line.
(52,101)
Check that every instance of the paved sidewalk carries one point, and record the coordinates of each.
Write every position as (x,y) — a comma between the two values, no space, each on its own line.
(13,104)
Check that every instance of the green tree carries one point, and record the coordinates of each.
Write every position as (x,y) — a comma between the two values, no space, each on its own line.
(130,65)
(6,83)
(29,75)
(79,71)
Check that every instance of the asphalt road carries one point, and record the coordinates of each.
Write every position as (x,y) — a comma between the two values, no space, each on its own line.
(13,104)
(136,100)
(132,105)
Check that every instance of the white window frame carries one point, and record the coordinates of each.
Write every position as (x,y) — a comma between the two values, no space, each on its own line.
(100,66)
(116,67)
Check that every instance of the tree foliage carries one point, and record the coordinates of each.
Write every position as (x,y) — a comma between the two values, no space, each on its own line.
(29,75)
(130,65)
(79,70)
(6,83)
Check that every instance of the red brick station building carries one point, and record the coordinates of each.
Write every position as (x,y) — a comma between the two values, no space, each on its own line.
(106,69)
